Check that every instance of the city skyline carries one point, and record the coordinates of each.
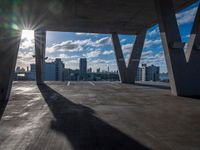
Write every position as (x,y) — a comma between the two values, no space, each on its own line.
(97,48)
(56,71)
(88,69)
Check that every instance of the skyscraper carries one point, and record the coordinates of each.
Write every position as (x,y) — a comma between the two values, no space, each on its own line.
(83,68)
(59,66)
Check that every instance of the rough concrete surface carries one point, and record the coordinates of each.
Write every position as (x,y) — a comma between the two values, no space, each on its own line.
(97,116)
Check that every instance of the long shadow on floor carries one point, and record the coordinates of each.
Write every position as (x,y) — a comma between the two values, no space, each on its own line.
(82,128)
(3,105)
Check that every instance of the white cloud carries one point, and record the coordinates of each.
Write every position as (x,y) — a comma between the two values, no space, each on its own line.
(146,54)
(100,61)
(123,40)
(102,42)
(186,16)
(149,58)
(70,46)
(72,63)
(74,56)
(25,58)
(108,52)
(92,54)
(103,64)
(148,43)
(26,52)
(127,48)
(26,45)
(78,45)
(154,32)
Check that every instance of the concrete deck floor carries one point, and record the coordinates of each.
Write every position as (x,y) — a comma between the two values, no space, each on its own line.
(98,116)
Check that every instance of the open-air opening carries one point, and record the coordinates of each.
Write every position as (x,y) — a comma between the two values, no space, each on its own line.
(73,56)
(25,60)
(80,57)
(127,42)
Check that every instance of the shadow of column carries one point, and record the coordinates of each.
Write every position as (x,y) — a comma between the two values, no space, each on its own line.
(82,128)
(3,105)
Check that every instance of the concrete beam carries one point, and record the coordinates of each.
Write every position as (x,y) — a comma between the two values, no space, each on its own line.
(127,74)
(9,46)
(97,16)
(40,45)
(184,70)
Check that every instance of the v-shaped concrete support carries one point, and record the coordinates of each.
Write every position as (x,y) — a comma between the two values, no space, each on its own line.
(183,68)
(40,45)
(9,46)
(127,74)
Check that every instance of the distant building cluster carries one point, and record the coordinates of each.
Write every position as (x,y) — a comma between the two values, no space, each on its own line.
(56,71)
(53,71)
(148,73)
(86,74)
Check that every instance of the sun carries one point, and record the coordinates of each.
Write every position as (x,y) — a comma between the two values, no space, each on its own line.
(28,34)
(27,39)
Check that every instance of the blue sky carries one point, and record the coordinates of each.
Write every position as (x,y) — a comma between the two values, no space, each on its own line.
(97,48)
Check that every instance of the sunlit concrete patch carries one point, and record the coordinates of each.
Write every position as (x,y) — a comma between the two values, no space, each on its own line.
(98,117)
(23,114)
(7,117)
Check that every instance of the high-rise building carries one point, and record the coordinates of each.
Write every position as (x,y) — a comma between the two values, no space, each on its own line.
(53,71)
(148,73)
(98,70)
(71,75)
(83,68)
(144,66)
(17,69)
(33,67)
(50,71)
(59,69)
(20,69)
(139,74)
(152,73)
(89,70)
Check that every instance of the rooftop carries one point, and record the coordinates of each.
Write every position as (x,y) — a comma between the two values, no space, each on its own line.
(98,116)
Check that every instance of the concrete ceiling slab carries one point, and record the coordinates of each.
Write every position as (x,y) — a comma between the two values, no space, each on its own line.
(98,16)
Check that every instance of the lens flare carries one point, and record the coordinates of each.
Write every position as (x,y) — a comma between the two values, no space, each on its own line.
(28,34)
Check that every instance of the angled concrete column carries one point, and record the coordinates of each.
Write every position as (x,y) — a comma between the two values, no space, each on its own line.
(9,46)
(183,69)
(127,74)
(40,45)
